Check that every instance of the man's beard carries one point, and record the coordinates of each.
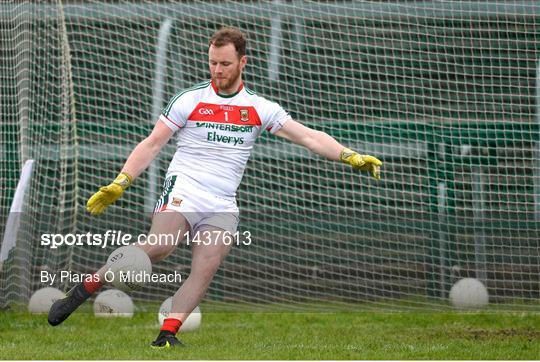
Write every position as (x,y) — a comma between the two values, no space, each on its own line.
(226,83)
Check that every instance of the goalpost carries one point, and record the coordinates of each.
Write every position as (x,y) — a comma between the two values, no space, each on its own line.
(444,92)
(15,285)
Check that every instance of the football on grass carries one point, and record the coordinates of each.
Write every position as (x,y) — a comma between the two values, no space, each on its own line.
(113,303)
(127,268)
(469,293)
(192,323)
(43,298)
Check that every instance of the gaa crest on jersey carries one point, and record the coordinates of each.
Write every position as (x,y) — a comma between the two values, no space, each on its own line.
(176,201)
(244,115)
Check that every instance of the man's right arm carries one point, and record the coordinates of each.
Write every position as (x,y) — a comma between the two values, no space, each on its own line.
(145,152)
(139,159)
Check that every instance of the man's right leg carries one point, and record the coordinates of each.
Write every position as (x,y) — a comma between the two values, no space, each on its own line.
(162,223)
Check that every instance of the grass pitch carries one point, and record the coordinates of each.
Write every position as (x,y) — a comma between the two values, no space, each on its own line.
(253,335)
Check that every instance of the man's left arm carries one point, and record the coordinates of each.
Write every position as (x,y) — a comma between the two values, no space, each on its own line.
(325,145)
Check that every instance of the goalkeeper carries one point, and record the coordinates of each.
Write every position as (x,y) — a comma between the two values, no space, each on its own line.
(216,123)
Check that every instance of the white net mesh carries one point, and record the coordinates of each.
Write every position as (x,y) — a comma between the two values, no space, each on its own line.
(443,92)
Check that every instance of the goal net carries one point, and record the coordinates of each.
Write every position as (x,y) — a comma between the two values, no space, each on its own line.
(445,93)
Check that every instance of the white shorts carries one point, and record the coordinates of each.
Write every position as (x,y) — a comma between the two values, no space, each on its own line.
(199,207)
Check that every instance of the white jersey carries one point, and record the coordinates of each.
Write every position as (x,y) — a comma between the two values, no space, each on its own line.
(216,134)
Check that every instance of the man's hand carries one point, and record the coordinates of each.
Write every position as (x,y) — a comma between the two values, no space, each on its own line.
(362,162)
(108,194)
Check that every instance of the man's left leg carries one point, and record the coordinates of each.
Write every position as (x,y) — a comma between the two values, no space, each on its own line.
(205,261)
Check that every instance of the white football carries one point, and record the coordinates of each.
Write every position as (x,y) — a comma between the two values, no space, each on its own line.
(42,299)
(113,303)
(192,323)
(127,268)
(469,293)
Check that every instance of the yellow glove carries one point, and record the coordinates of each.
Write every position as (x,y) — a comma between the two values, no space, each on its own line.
(362,162)
(108,194)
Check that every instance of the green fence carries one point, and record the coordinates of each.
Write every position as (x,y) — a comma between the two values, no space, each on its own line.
(446,97)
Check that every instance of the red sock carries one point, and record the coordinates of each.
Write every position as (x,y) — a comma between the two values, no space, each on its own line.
(92,284)
(171,324)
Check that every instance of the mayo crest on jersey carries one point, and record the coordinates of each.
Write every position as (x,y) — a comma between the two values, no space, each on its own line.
(216,134)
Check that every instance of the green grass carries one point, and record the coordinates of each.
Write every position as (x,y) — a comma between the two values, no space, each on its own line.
(249,335)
